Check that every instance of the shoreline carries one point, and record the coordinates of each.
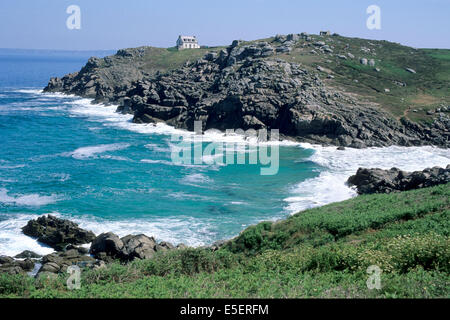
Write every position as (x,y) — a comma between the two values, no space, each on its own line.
(339,165)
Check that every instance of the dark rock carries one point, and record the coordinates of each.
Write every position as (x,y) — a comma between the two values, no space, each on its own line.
(59,261)
(107,245)
(11,266)
(138,247)
(56,232)
(393,180)
(28,254)
(246,86)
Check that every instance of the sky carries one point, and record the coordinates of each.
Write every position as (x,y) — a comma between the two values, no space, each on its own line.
(111,24)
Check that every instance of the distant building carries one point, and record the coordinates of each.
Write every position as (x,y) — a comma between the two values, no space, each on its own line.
(325,33)
(187,42)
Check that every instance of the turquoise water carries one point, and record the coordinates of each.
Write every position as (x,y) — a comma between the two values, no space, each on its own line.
(62,155)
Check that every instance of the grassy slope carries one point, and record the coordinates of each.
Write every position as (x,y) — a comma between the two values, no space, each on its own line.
(425,90)
(321,252)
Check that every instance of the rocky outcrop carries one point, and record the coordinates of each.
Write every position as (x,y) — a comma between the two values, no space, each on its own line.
(58,262)
(246,86)
(386,181)
(12,266)
(108,246)
(27,254)
(56,232)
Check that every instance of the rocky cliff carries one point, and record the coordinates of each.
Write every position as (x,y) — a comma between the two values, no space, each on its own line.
(248,86)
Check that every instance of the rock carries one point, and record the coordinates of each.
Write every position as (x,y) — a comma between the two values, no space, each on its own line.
(410,70)
(319,43)
(58,262)
(12,266)
(372,62)
(351,56)
(377,69)
(50,267)
(247,85)
(369,181)
(167,245)
(107,245)
(293,37)
(138,247)
(56,232)
(28,254)
(387,90)
(363,61)
(283,49)
(211,56)
(341,148)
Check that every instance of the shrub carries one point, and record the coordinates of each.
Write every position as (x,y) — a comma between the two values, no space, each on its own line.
(430,251)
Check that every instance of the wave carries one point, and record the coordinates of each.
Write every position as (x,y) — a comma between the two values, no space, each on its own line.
(181,229)
(197,180)
(14,166)
(31,200)
(166,162)
(13,241)
(330,186)
(91,152)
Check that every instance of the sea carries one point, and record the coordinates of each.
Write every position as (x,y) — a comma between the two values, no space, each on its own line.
(65,156)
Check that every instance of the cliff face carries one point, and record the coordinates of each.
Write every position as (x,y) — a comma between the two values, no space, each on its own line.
(248,86)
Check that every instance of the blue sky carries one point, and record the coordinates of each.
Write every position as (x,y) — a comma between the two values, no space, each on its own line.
(108,24)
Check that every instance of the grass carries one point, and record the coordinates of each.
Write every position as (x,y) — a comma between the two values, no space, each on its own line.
(321,252)
(432,78)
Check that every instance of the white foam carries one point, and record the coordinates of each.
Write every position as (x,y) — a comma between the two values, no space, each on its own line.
(181,229)
(13,241)
(32,200)
(29,91)
(90,152)
(108,116)
(16,166)
(166,162)
(330,185)
(196,179)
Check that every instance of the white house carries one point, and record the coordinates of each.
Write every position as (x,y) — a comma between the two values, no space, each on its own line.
(187,42)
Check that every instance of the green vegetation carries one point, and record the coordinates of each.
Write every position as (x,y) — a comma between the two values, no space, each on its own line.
(410,95)
(321,252)
(422,91)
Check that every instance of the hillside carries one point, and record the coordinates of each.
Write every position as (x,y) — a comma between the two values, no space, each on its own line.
(330,90)
(321,252)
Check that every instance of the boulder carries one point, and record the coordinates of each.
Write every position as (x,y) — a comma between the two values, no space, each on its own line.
(107,245)
(12,266)
(56,232)
(376,180)
(27,254)
(59,261)
(138,247)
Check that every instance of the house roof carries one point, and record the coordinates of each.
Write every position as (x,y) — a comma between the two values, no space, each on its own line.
(183,38)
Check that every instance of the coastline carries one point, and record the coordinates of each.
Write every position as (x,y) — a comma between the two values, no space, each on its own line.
(327,188)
